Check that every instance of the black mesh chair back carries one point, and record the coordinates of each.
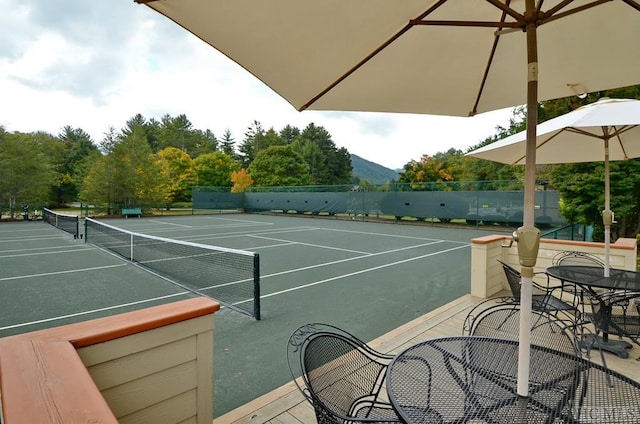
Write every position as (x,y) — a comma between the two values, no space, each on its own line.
(576,258)
(340,375)
(547,330)
(542,298)
(513,279)
(571,257)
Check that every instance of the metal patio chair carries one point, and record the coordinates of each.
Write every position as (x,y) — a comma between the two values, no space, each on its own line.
(555,331)
(340,375)
(543,298)
(571,257)
(623,319)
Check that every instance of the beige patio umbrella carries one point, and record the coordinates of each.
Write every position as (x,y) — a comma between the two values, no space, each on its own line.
(608,129)
(447,57)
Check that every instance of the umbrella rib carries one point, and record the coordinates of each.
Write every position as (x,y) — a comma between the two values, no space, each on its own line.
(357,66)
(621,144)
(557,7)
(494,47)
(552,13)
(371,55)
(485,75)
(617,131)
(419,21)
(504,6)
(478,24)
(519,23)
(545,141)
(506,11)
(583,132)
(633,4)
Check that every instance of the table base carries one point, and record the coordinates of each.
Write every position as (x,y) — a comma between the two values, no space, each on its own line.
(619,347)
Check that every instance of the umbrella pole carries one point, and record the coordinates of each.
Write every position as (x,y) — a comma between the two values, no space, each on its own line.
(607,215)
(527,236)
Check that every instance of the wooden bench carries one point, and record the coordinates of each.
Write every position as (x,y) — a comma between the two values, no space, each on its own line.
(132,212)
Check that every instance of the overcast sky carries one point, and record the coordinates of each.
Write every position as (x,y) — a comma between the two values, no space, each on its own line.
(93,64)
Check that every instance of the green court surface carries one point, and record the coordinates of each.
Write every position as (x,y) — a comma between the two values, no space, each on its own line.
(368,278)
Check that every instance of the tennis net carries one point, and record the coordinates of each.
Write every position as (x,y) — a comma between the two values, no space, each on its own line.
(65,222)
(230,276)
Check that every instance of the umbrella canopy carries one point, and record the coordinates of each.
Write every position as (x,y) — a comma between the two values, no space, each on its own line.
(417,56)
(448,57)
(608,129)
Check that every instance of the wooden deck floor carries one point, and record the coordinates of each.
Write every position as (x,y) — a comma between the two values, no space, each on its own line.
(286,405)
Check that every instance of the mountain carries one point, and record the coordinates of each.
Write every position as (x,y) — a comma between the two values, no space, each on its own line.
(376,174)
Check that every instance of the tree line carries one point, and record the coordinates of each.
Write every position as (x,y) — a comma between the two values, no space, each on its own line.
(157,162)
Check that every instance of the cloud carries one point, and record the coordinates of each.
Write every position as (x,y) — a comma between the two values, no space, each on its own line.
(94,64)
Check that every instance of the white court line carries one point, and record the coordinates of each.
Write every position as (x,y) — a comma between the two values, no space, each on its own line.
(307,229)
(170,223)
(360,272)
(28,229)
(20,277)
(387,235)
(43,253)
(246,234)
(31,238)
(241,223)
(269,246)
(238,220)
(30,249)
(368,255)
(93,311)
(310,244)
(305,268)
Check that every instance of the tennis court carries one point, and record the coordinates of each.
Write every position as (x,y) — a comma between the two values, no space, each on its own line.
(367,277)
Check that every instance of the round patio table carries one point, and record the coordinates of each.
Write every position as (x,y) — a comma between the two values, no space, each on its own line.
(592,277)
(473,380)
(619,284)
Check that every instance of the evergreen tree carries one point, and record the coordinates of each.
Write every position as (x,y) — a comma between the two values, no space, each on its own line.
(72,170)
(336,163)
(227,144)
(289,134)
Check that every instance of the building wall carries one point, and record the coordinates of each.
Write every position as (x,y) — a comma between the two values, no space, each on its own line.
(153,365)
(162,375)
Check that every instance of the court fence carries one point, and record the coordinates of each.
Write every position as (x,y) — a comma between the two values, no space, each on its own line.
(486,202)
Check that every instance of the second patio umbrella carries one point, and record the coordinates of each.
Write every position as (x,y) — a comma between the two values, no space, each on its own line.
(608,129)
